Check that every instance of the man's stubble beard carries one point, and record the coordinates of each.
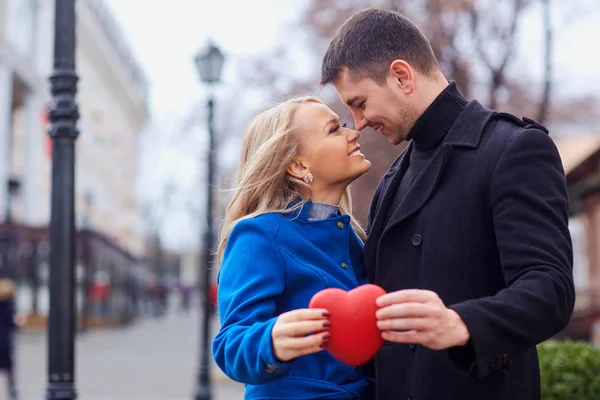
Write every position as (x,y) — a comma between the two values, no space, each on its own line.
(408,121)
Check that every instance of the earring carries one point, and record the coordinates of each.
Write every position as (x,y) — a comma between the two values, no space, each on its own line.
(308,178)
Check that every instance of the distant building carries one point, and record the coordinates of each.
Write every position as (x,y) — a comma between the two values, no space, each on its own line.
(581,161)
(113,103)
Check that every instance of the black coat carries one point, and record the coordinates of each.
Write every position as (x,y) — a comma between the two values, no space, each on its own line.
(7,327)
(485,226)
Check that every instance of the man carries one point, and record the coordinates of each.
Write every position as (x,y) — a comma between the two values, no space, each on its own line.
(467,229)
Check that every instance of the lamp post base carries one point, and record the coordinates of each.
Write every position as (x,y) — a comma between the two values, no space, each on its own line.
(61,391)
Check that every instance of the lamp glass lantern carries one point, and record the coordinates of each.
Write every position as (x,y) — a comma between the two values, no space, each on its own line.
(209,64)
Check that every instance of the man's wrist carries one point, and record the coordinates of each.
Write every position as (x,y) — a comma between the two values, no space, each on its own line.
(462,334)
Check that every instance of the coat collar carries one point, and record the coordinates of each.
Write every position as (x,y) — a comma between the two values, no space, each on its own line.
(469,126)
(302,213)
(466,132)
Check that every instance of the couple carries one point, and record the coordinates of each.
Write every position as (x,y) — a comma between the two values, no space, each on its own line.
(467,234)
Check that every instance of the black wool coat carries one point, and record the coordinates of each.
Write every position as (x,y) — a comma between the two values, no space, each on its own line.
(485,226)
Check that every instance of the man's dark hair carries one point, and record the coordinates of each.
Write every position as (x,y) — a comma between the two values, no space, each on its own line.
(370,40)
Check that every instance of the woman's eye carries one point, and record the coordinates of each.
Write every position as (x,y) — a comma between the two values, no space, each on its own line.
(337,128)
(362,104)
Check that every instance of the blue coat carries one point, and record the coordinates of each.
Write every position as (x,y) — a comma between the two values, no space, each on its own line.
(272,264)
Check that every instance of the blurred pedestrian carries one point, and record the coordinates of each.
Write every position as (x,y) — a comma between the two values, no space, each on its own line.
(185,293)
(9,321)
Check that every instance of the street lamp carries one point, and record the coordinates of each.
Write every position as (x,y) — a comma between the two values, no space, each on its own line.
(63,131)
(209,64)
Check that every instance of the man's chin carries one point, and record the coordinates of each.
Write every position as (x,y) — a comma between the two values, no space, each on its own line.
(394,141)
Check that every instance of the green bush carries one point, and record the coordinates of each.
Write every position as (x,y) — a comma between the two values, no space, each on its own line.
(569,370)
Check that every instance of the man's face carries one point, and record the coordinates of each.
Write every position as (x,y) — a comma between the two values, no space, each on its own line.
(386,108)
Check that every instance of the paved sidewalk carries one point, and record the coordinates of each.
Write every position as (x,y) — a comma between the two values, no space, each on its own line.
(154,359)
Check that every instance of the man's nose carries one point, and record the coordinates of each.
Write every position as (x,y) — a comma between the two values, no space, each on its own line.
(360,122)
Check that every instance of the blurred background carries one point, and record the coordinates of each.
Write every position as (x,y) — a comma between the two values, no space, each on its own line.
(143,152)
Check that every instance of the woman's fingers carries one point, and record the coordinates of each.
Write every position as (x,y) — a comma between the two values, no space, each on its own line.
(306,342)
(296,347)
(300,332)
(301,328)
(303,314)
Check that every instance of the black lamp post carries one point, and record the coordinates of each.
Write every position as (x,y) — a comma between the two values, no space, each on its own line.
(63,131)
(209,64)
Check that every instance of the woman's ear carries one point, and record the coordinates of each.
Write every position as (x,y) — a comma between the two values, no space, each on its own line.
(297,169)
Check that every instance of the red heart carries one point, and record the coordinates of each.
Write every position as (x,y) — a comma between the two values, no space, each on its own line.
(355,338)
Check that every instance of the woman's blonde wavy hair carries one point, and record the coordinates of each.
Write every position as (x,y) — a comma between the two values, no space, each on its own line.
(264,185)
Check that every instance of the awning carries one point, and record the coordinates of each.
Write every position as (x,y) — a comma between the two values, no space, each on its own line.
(575,149)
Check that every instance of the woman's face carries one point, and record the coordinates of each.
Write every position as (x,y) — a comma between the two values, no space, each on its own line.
(328,151)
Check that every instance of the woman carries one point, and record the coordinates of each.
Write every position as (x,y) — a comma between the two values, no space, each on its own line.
(287,234)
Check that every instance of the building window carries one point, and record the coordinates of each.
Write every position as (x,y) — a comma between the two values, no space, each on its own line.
(20,25)
(580,254)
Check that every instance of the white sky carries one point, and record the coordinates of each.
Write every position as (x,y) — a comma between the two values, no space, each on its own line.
(166,34)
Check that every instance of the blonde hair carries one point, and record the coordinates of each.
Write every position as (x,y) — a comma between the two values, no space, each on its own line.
(269,147)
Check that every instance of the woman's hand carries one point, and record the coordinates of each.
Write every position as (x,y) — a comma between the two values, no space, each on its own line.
(300,332)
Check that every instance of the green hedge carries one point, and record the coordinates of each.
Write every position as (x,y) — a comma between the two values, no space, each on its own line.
(569,370)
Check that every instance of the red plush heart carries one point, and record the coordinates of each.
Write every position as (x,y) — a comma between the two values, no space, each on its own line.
(355,338)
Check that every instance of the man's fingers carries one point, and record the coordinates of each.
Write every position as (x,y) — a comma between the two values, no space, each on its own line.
(404,310)
(304,314)
(404,324)
(407,295)
(401,337)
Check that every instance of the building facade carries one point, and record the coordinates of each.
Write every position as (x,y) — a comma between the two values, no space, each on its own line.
(581,160)
(113,103)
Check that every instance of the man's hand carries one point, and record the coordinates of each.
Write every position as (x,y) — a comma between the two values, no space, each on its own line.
(420,317)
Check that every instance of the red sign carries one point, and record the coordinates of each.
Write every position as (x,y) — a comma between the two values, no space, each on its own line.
(45,117)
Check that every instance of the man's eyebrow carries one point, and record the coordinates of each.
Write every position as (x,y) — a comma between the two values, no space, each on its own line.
(351,101)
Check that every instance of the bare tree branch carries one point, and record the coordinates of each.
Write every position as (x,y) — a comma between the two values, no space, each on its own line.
(474,14)
(548,41)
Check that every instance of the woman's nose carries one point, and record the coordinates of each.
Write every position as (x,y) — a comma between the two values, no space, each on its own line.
(352,135)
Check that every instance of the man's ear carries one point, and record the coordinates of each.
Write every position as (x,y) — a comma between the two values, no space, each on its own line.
(297,169)
(403,75)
